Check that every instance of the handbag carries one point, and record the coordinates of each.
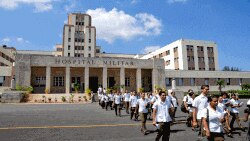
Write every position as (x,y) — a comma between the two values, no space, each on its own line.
(203,131)
(183,108)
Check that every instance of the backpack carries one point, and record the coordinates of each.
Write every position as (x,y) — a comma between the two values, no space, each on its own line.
(183,108)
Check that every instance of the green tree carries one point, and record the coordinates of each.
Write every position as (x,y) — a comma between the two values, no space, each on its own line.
(221,84)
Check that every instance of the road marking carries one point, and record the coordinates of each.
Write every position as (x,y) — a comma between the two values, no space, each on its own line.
(80,126)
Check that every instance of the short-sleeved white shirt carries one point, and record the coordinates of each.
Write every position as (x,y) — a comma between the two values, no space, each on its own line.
(142,105)
(155,98)
(174,100)
(162,113)
(221,107)
(126,97)
(214,117)
(117,99)
(111,97)
(234,103)
(133,101)
(191,101)
(106,98)
(200,102)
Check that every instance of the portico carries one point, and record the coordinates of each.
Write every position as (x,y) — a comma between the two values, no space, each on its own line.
(58,74)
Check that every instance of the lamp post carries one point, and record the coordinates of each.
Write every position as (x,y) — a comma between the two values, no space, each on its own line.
(13,82)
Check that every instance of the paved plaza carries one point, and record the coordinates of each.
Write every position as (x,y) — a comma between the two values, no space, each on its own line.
(78,122)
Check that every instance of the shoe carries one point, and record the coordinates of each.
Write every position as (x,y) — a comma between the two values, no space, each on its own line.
(230,135)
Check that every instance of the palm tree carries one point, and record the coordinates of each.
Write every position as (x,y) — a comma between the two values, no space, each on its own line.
(221,84)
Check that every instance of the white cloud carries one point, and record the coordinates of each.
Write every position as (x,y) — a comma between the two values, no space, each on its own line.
(149,49)
(19,39)
(70,7)
(134,1)
(114,24)
(6,40)
(40,5)
(174,1)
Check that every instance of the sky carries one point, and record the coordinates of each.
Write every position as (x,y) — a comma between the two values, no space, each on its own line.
(133,26)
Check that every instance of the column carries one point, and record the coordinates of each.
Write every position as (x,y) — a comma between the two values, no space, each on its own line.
(104,77)
(173,84)
(122,78)
(154,78)
(48,74)
(67,80)
(86,78)
(138,78)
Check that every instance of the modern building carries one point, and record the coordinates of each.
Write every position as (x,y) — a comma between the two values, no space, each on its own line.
(186,54)
(7,57)
(186,64)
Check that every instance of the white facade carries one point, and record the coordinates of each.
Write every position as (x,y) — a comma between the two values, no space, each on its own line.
(188,55)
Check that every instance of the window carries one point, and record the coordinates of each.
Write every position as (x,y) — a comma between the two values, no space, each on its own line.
(168,81)
(89,40)
(206,81)
(240,81)
(89,48)
(175,49)
(210,49)
(160,55)
(40,81)
(176,59)
(211,60)
(200,48)
(82,40)
(69,39)
(190,48)
(89,55)
(76,40)
(201,59)
(68,47)
(143,82)
(192,81)
(180,81)
(167,62)
(82,47)
(68,54)
(59,81)
(168,52)
(228,81)
(127,81)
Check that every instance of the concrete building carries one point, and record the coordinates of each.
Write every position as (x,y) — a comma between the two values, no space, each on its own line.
(188,64)
(187,54)
(79,36)
(7,57)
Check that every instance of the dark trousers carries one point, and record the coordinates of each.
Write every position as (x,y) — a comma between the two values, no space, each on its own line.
(126,106)
(216,137)
(164,131)
(111,104)
(143,121)
(133,113)
(106,105)
(235,116)
(117,106)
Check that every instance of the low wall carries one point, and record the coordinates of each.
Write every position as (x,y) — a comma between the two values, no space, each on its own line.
(11,97)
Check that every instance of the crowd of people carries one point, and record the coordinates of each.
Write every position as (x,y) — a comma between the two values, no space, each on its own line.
(210,116)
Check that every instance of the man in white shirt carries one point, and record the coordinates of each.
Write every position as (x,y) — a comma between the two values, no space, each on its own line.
(133,101)
(161,117)
(235,104)
(117,103)
(126,97)
(200,102)
(142,104)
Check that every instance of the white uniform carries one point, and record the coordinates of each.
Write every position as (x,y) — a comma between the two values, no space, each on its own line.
(155,98)
(133,101)
(162,114)
(142,105)
(200,102)
(214,117)
(174,100)
(126,97)
(234,103)
(111,97)
(118,99)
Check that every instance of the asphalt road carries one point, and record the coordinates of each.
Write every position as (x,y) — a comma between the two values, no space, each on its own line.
(82,122)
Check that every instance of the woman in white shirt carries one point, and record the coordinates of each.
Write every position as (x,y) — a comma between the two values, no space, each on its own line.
(235,104)
(212,120)
(222,108)
(175,104)
(117,103)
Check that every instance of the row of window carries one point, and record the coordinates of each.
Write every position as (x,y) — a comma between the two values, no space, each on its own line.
(78,40)
(193,68)
(79,23)
(199,48)
(201,59)
(6,57)
(2,64)
(192,81)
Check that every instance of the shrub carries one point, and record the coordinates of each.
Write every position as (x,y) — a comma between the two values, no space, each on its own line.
(63,99)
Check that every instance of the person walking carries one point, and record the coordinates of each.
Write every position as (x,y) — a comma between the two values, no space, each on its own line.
(161,117)
(111,99)
(235,104)
(117,103)
(188,102)
(212,119)
(175,104)
(142,104)
(200,102)
(126,97)
(133,101)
